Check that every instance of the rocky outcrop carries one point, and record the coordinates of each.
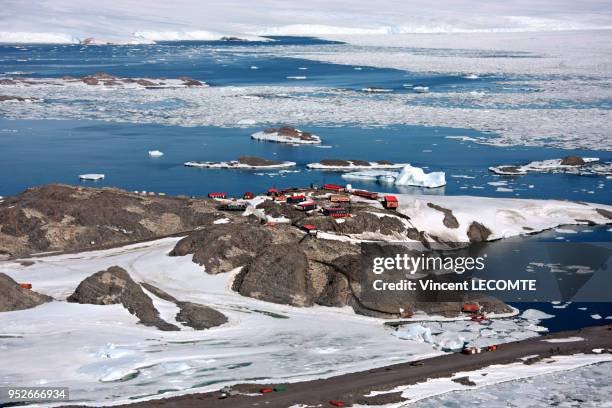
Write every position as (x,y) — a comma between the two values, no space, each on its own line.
(257,161)
(572,161)
(605,213)
(198,316)
(449,221)
(224,247)
(339,162)
(66,218)
(478,232)
(292,132)
(115,286)
(190,314)
(190,81)
(279,274)
(14,297)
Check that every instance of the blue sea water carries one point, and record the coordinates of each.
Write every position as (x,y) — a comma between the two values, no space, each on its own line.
(37,152)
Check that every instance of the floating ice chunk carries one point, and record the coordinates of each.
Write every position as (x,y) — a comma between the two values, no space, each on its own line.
(91,176)
(414,332)
(533,314)
(421,89)
(155,153)
(596,316)
(254,67)
(296,77)
(415,176)
(409,176)
(471,76)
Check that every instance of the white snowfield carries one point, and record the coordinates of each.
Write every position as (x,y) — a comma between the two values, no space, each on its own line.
(102,347)
(355,166)
(504,217)
(67,21)
(408,176)
(237,165)
(278,138)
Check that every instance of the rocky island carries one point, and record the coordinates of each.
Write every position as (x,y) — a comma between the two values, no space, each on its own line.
(286,134)
(243,162)
(350,165)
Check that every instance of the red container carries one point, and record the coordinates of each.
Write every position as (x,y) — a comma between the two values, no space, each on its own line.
(332,187)
(25,285)
(266,390)
(336,403)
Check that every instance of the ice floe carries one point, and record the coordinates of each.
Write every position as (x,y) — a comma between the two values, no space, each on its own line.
(585,166)
(155,153)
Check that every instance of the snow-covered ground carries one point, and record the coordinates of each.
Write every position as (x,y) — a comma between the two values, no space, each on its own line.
(107,356)
(504,217)
(92,348)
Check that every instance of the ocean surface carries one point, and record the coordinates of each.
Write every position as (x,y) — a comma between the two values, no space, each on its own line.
(37,152)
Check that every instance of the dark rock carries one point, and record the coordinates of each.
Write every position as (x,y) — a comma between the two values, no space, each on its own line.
(115,286)
(14,297)
(6,98)
(224,247)
(90,81)
(198,316)
(604,213)
(288,131)
(190,81)
(145,82)
(572,161)
(279,275)
(194,315)
(277,210)
(65,218)
(382,399)
(256,161)
(464,381)
(449,219)
(6,81)
(335,162)
(362,221)
(478,232)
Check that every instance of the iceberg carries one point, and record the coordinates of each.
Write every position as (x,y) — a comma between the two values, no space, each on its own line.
(415,176)
(155,153)
(408,176)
